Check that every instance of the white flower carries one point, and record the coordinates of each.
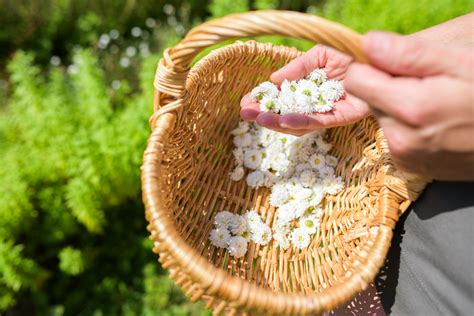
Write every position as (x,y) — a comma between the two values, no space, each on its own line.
(306,96)
(223,219)
(256,179)
(243,140)
(308,178)
(279,162)
(238,156)
(264,89)
(219,237)
(237,246)
(322,145)
(333,185)
(237,174)
(317,161)
(282,228)
(300,207)
(318,76)
(279,194)
(252,218)
(326,171)
(303,194)
(288,86)
(252,158)
(300,238)
(302,167)
(268,104)
(281,240)
(316,197)
(241,129)
(261,235)
(269,179)
(332,90)
(323,105)
(287,97)
(309,223)
(318,212)
(331,161)
(238,225)
(286,213)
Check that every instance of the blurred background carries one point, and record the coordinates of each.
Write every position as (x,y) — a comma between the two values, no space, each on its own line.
(75,96)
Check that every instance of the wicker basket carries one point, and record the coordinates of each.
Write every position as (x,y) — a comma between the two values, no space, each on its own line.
(185,177)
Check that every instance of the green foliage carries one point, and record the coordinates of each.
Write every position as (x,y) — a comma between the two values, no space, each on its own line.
(394,15)
(71,261)
(70,156)
(219,8)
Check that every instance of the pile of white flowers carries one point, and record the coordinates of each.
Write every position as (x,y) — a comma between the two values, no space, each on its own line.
(233,231)
(313,94)
(299,171)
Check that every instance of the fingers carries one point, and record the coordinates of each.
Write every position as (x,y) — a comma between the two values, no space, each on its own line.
(399,97)
(249,109)
(345,112)
(301,66)
(400,55)
(405,144)
(272,121)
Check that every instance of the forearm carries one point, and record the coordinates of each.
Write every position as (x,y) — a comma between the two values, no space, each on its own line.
(456,31)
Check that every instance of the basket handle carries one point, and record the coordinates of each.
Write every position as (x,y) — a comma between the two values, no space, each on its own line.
(173,68)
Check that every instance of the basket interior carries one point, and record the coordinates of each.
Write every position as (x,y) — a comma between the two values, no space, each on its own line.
(196,185)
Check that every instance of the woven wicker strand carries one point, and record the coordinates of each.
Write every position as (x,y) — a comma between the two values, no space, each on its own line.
(185,178)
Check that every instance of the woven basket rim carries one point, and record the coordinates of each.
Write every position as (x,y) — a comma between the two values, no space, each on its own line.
(227,286)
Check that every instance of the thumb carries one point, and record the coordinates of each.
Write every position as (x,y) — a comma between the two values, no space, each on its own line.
(400,55)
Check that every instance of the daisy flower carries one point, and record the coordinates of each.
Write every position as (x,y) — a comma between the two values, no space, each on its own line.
(279,194)
(326,171)
(223,219)
(332,90)
(318,76)
(238,225)
(308,177)
(237,174)
(323,105)
(303,194)
(237,246)
(281,240)
(268,104)
(238,156)
(262,234)
(322,145)
(309,223)
(252,218)
(317,161)
(302,167)
(331,161)
(316,197)
(252,158)
(242,140)
(306,95)
(333,185)
(241,129)
(300,238)
(265,89)
(219,237)
(256,179)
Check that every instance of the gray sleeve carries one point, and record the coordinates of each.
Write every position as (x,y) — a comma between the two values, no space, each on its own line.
(430,266)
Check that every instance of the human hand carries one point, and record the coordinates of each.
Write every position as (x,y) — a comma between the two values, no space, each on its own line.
(347,110)
(423,97)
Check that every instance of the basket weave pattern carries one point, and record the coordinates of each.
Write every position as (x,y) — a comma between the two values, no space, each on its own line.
(189,155)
